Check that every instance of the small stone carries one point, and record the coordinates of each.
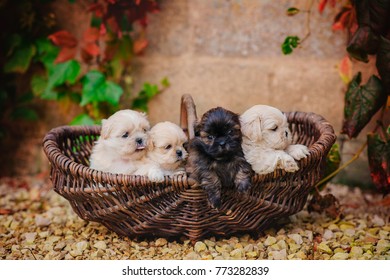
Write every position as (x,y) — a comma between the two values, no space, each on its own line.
(42,221)
(278,255)
(349,232)
(282,244)
(322,247)
(356,251)
(270,241)
(160,242)
(340,256)
(378,221)
(328,234)
(82,245)
(382,246)
(100,245)
(296,237)
(236,253)
(209,243)
(338,250)
(199,246)
(30,237)
(75,253)
(333,227)
(346,225)
(383,234)
(251,254)
(192,256)
(293,247)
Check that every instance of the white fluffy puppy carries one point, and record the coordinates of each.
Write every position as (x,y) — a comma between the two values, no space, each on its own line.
(165,153)
(122,142)
(267,140)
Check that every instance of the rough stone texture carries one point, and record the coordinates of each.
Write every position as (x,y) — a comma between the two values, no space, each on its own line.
(362,231)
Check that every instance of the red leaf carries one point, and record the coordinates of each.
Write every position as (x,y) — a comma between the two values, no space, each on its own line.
(63,39)
(345,69)
(342,21)
(66,54)
(91,35)
(92,49)
(97,8)
(85,56)
(140,45)
(112,25)
(322,5)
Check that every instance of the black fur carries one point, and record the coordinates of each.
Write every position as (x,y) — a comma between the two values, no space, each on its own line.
(216,159)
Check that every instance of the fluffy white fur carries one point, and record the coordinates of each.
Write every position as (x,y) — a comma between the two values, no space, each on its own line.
(165,153)
(267,140)
(122,143)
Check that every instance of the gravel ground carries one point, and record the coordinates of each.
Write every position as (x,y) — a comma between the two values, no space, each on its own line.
(37,223)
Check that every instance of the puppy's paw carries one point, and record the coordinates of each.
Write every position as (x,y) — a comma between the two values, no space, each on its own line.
(156,175)
(243,186)
(288,164)
(298,151)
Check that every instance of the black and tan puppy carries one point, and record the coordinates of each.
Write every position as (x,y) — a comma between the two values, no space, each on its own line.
(216,159)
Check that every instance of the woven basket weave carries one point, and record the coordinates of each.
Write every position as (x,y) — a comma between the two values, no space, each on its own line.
(135,207)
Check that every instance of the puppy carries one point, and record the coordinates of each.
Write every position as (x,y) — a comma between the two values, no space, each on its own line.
(122,142)
(216,159)
(165,152)
(267,140)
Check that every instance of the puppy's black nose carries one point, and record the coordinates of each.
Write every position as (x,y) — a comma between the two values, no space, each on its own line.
(139,140)
(286,133)
(179,153)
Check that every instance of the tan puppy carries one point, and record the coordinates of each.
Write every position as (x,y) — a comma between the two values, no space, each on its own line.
(122,143)
(267,140)
(165,153)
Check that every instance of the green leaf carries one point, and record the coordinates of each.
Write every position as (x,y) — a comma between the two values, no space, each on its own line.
(72,1)
(46,52)
(20,59)
(38,84)
(97,89)
(361,104)
(64,72)
(165,82)
(290,43)
(150,90)
(82,119)
(24,113)
(292,11)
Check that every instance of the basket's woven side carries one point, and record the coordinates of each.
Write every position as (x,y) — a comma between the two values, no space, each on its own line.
(135,207)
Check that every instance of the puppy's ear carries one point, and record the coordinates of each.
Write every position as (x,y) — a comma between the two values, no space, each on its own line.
(197,128)
(252,129)
(106,129)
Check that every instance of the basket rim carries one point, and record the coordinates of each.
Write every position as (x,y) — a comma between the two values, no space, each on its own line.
(55,155)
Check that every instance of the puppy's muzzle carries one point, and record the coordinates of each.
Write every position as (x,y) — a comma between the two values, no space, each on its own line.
(140,143)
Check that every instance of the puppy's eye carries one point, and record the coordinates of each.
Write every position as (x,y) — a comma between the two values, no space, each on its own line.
(145,130)
(125,135)
(275,128)
(210,137)
(167,147)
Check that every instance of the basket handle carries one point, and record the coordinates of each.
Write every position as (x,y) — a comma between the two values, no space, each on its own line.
(188,115)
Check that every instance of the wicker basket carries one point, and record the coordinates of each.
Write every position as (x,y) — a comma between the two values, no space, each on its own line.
(135,207)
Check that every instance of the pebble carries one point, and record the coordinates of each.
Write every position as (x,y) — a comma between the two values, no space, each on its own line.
(340,256)
(30,237)
(383,246)
(270,241)
(161,242)
(100,245)
(328,234)
(324,248)
(200,246)
(297,238)
(42,221)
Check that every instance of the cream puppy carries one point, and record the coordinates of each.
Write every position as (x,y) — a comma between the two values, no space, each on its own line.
(122,143)
(267,140)
(165,154)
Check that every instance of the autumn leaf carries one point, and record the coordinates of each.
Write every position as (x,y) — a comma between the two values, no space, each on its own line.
(63,38)
(91,35)
(345,69)
(332,163)
(378,151)
(361,103)
(140,45)
(65,54)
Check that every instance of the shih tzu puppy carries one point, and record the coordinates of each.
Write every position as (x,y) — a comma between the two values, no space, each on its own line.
(216,159)
(165,154)
(122,143)
(267,140)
